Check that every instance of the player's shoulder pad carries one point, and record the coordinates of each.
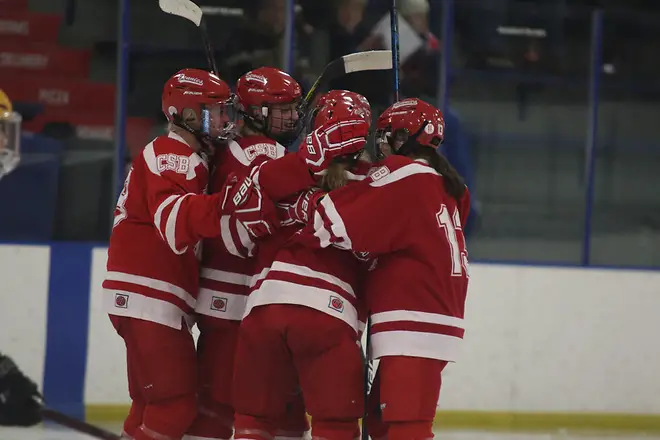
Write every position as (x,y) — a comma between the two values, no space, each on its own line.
(245,150)
(395,169)
(171,154)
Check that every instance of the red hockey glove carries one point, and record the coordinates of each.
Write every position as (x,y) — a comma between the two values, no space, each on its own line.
(333,139)
(250,206)
(301,210)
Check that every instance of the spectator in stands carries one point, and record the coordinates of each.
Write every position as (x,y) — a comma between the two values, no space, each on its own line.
(420,70)
(259,41)
(350,32)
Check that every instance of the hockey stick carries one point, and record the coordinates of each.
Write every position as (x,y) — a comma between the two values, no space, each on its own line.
(368,377)
(190,11)
(354,62)
(369,369)
(394,28)
(77,425)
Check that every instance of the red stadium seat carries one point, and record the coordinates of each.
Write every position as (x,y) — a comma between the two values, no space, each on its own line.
(28,27)
(42,57)
(13,5)
(60,93)
(96,125)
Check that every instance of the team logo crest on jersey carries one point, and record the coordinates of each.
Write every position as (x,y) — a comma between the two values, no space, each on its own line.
(121,300)
(379,173)
(336,303)
(219,304)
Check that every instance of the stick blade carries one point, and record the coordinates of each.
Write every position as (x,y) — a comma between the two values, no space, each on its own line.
(369,60)
(182,8)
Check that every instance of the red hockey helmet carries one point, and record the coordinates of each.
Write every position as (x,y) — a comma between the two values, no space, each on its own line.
(269,100)
(359,102)
(410,120)
(345,108)
(339,105)
(208,97)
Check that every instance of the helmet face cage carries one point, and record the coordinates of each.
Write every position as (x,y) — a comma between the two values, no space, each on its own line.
(393,141)
(10,142)
(270,103)
(283,121)
(218,120)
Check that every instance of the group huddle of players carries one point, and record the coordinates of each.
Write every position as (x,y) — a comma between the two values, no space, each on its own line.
(280,258)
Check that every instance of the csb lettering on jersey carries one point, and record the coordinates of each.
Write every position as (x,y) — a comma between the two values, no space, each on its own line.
(173,162)
(262,149)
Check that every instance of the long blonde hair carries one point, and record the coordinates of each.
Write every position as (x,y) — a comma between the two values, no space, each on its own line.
(335,176)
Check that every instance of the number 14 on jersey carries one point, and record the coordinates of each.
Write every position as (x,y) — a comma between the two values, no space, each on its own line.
(451,224)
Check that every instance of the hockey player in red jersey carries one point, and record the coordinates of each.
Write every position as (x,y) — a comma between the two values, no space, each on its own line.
(303,317)
(151,283)
(268,99)
(408,214)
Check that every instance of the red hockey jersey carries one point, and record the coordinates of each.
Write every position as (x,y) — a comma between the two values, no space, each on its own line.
(227,271)
(328,280)
(160,218)
(403,216)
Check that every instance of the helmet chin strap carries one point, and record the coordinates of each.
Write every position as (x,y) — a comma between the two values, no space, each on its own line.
(262,126)
(410,143)
(253,123)
(206,142)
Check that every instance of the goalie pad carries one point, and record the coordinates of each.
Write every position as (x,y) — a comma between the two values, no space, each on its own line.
(20,400)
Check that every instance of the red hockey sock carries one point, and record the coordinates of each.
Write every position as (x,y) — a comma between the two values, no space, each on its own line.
(134,419)
(168,419)
(253,428)
(214,421)
(294,424)
(335,429)
(376,428)
(410,430)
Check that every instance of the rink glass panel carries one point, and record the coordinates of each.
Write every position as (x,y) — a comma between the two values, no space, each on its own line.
(519,83)
(626,222)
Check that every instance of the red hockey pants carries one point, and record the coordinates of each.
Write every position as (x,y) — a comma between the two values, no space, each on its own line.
(216,349)
(281,345)
(403,398)
(162,378)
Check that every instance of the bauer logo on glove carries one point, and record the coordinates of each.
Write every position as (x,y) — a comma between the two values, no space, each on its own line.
(310,145)
(241,195)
